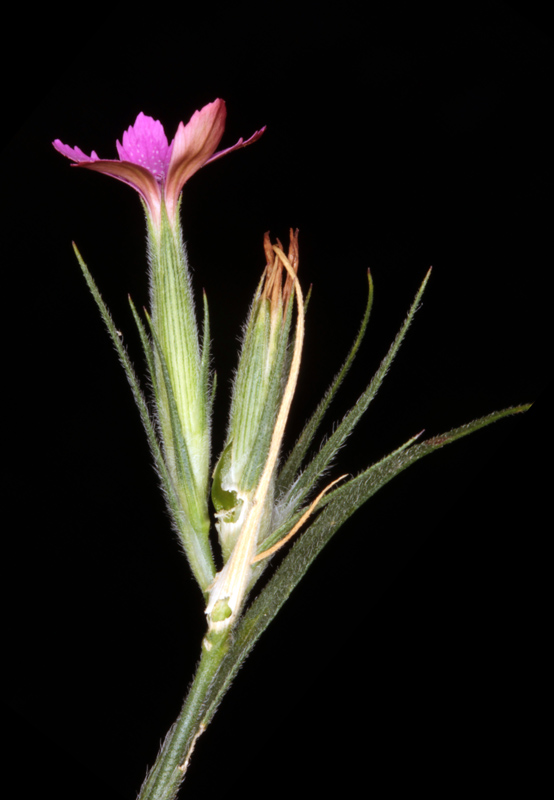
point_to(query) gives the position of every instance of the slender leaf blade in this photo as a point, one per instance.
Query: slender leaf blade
(321, 460)
(208, 386)
(148, 351)
(182, 461)
(341, 504)
(128, 368)
(294, 460)
(177, 512)
(194, 527)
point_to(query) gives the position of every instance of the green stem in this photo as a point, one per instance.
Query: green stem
(165, 777)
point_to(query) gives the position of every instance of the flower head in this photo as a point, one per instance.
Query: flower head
(156, 169)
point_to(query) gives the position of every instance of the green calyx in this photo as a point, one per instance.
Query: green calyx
(179, 375)
(258, 390)
(176, 331)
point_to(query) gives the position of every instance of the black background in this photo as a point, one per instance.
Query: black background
(412, 655)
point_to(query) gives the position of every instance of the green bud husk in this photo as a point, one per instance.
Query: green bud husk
(257, 394)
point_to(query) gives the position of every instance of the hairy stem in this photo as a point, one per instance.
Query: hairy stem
(165, 777)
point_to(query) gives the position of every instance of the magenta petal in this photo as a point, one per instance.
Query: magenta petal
(74, 153)
(193, 145)
(152, 166)
(145, 144)
(134, 175)
(238, 145)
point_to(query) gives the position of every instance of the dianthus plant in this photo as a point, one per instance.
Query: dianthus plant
(257, 500)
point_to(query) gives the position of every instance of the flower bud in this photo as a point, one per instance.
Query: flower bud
(257, 395)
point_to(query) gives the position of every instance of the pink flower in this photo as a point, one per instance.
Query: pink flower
(156, 169)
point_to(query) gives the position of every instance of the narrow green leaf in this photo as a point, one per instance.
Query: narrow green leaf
(195, 528)
(127, 366)
(284, 527)
(307, 299)
(184, 524)
(321, 460)
(347, 498)
(341, 504)
(294, 460)
(205, 361)
(211, 398)
(177, 512)
(182, 460)
(148, 351)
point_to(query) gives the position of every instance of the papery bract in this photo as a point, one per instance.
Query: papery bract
(156, 169)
